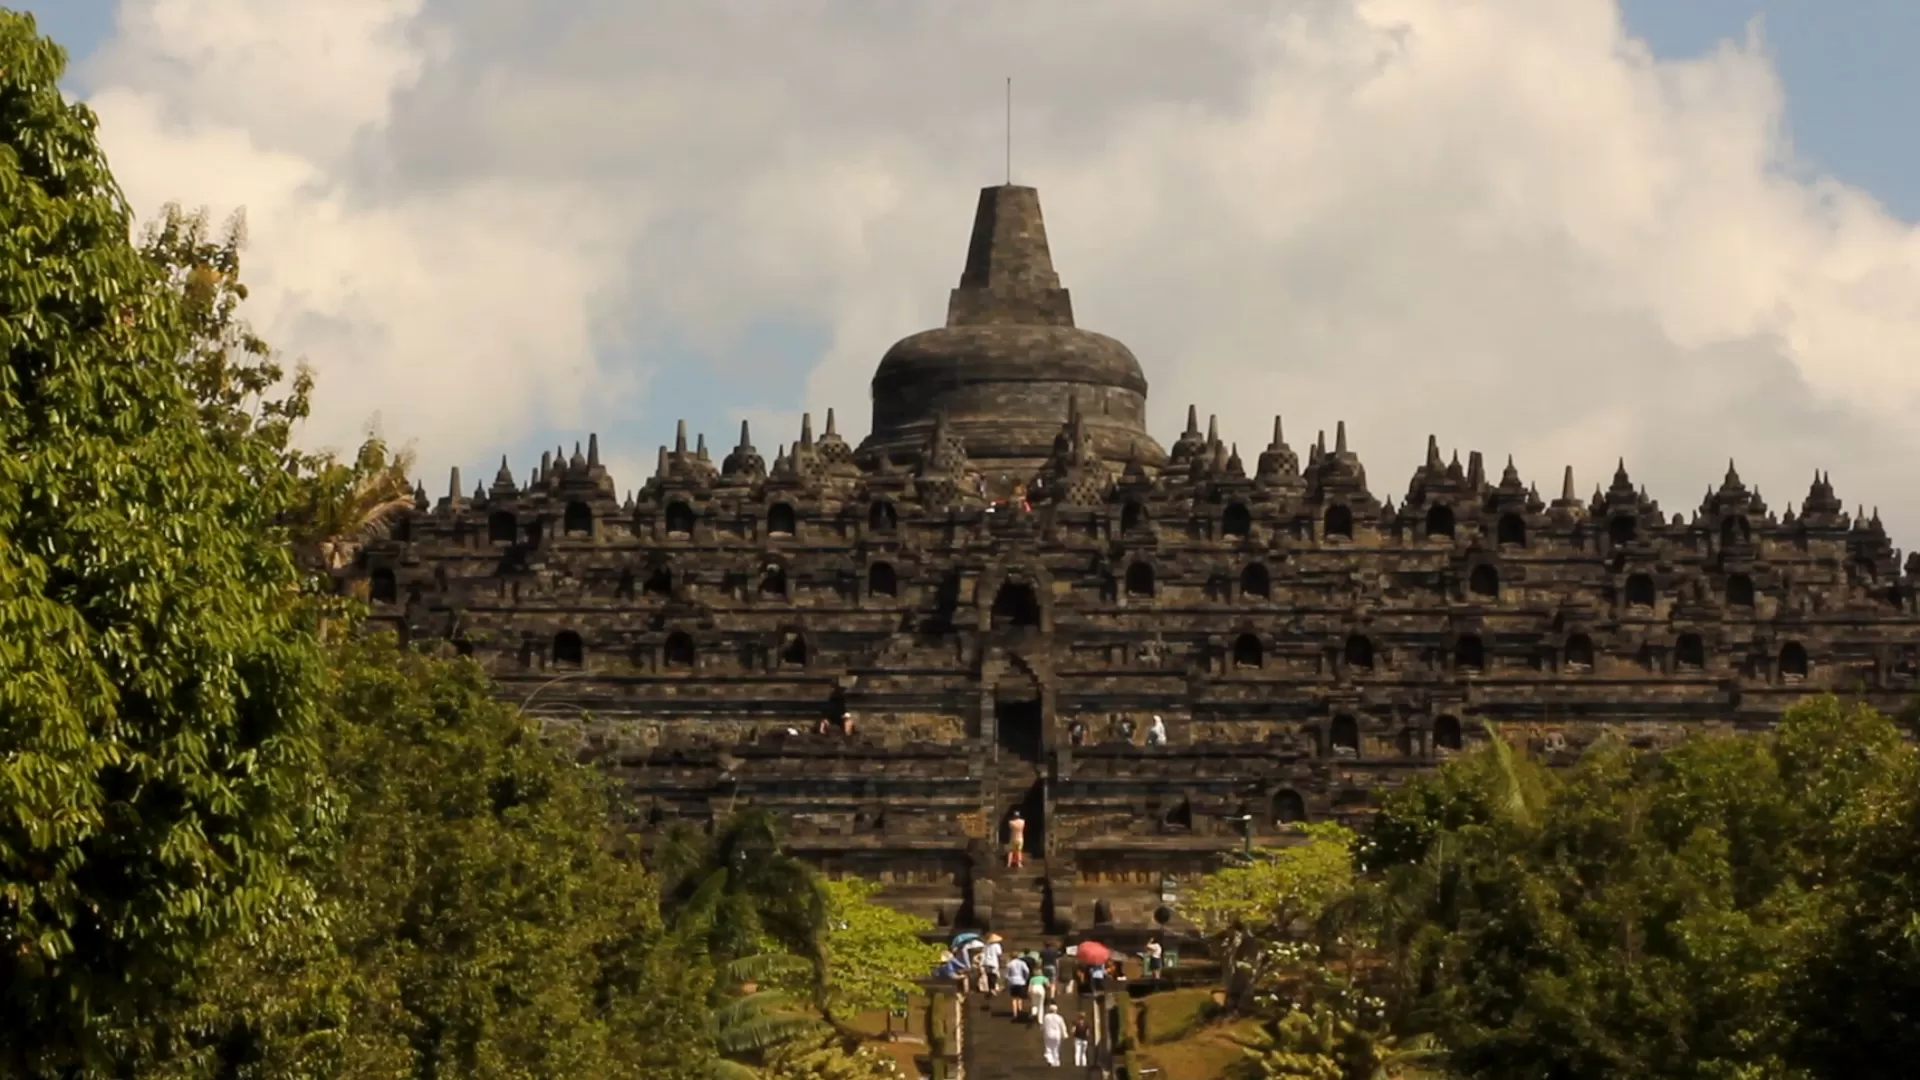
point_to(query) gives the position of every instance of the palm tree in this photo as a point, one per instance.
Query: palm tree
(762, 893)
(347, 504)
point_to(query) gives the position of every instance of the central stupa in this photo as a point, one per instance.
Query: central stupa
(1009, 361)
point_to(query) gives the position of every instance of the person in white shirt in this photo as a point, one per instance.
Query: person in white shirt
(1157, 734)
(1052, 1030)
(1153, 958)
(990, 959)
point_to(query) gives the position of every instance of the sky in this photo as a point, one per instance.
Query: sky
(1569, 232)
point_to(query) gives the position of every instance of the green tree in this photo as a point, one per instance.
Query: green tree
(247, 399)
(495, 923)
(874, 954)
(1250, 912)
(1327, 1042)
(1731, 907)
(231, 372)
(1855, 995)
(483, 915)
(753, 896)
(158, 678)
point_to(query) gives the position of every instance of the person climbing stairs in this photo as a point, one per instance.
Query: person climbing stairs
(1001, 1048)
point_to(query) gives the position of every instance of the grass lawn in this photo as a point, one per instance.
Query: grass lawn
(1185, 1040)
(1207, 1054)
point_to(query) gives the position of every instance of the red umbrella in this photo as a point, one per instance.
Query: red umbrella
(1092, 953)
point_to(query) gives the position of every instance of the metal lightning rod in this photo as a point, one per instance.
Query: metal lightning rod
(1009, 131)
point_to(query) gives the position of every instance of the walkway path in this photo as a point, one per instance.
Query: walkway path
(997, 1048)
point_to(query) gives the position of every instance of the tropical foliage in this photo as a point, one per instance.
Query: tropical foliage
(1250, 911)
(1731, 907)
(873, 952)
(161, 695)
(231, 847)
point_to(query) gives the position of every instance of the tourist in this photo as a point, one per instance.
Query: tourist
(1082, 1034)
(950, 968)
(1037, 986)
(1096, 977)
(976, 974)
(1016, 841)
(1153, 958)
(1157, 734)
(990, 959)
(1017, 971)
(1050, 961)
(1077, 733)
(1052, 1030)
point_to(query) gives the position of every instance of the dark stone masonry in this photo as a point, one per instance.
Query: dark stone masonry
(888, 647)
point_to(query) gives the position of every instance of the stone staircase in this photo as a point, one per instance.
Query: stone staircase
(997, 1048)
(1019, 904)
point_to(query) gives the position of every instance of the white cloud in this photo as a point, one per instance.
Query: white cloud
(1503, 221)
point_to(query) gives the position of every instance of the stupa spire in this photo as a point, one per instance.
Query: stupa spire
(1009, 277)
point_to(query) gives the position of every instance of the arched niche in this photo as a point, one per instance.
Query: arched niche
(794, 651)
(1794, 664)
(1337, 523)
(678, 654)
(1236, 521)
(679, 520)
(502, 527)
(1689, 652)
(1622, 529)
(568, 649)
(1735, 530)
(1439, 522)
(1140, 581)
(1446, 732)
(1019, 713)
(1739, 591)
(1255, 581)
(882, 518)
(1344, 734)
(1248, 652)
(1133, 517)
(773, 581)
(1483, 581)
(382, 587)
(882, 581)
(1358, 652)
(659, 583)
(577, 520)
(1579, 653)
(781, 520)
(1288, 807)
(1639, 591)
(1470, 653)
(1512, 531)
(1016, 605)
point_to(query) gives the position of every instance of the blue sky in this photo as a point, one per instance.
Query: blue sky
(1847, 67)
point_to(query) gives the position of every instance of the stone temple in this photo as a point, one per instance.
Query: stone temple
(983, 606)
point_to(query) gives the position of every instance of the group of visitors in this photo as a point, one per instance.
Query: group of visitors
(1122, 729)
(1033, 987)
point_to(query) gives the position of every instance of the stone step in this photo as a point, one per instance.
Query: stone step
(997, 1048)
